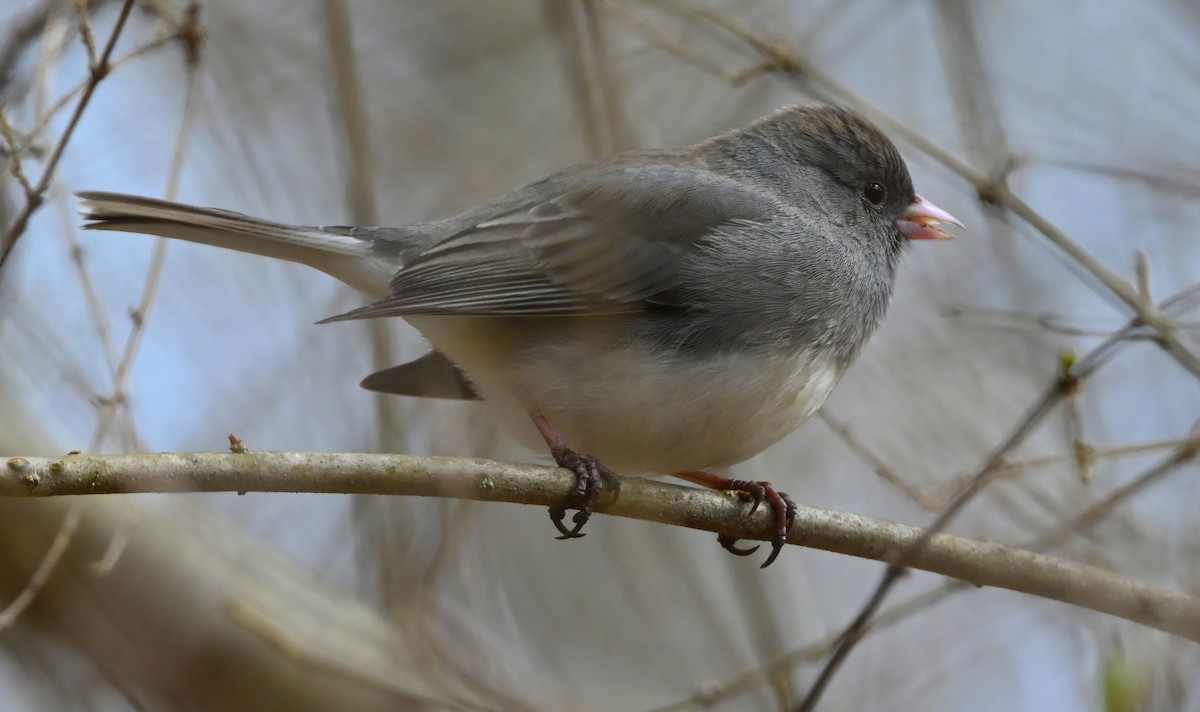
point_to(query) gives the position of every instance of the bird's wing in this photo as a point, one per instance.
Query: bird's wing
(431, 376)
(597, 242)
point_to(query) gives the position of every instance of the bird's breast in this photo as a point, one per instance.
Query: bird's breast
(639, 408)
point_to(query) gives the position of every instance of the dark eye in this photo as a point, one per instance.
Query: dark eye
(874, 192)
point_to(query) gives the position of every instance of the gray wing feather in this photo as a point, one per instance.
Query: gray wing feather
(601, 242)
(431, 376)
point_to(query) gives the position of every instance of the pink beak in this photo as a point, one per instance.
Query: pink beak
(919, 221)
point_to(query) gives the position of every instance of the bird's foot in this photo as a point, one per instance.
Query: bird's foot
(589, 483)
(755, 492)
(781, 505)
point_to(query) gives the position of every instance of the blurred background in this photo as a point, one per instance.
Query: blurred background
(395, 111)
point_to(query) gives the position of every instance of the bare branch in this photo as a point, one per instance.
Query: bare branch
(978, 562)
(34, 200)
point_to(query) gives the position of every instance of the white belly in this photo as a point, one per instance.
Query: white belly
(637, 412)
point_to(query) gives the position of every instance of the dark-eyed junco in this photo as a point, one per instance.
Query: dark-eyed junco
(663, 311)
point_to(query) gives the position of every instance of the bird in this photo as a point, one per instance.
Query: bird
(663, 311)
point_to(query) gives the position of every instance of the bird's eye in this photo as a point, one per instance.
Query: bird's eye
(874, 192)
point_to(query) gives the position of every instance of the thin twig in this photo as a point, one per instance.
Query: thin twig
(992, 189)
(85, 32)
(62, 101)
(1185, 452)
(34, 200)
(12, 148)
(96, 312)
(1048, 321)
(992, 467)
(584, 45)
(1001, 195)
(1141, 270)
(49, 58)
(858, 628)
(45, 567)
(23, 31)
(885, 471)
(351, 112)
(1010, 469)
(811, 653)
(1180, 301)
(1072, 397)
(618, 11)
(158, 258)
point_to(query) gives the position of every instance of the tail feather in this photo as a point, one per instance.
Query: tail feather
(338, 253)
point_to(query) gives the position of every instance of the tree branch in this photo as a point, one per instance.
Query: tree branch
(978, 562)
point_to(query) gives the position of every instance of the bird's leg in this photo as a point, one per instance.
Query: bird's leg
(755, 492)
(589, 481)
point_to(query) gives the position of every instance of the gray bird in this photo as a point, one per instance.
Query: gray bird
(664, 311)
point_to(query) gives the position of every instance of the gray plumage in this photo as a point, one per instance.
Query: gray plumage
(666, 310)
(431, 376)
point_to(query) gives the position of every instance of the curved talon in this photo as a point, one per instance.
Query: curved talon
(729, 543)
(776, 547)
(556, 516)
(782, 507)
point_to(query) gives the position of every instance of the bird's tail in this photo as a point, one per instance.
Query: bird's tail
(338, 252)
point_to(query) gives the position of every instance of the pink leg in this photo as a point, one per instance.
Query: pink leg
(781, 504)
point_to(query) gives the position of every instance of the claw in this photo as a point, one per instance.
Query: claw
(556, 516)
(729, 543)
(776, 547)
